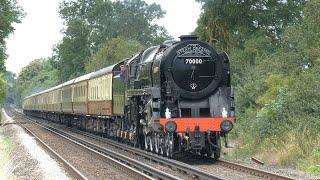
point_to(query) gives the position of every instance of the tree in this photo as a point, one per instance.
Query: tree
(114, 51)
(132, 19)
(10, 79)
(3, 90)
(10, 13)
(39, 75)
(250, 31)
(92, 24)
(275, 53)
(73, 52)
(228, 24)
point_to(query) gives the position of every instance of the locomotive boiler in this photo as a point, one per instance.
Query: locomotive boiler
(168, 99)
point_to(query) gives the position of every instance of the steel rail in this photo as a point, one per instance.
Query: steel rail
(192, 171)
(74, 170)
(179, 165)
(187, 169)
(136, 168)
(252, 171)
(183, 167)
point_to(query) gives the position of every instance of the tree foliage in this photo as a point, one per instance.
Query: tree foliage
(131, 19)
(3, 89)
(115, 50)
(228, 24)
(10, 79)
(275, 51)
(10, 13)
(71, 55)
(37, 76)
(92, 24)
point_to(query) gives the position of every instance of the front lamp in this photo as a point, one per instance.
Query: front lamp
(171, 126)
(226, 126)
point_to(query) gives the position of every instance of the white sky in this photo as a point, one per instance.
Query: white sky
(40, 29)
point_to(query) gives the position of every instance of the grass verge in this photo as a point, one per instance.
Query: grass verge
(6, 147)
(292, 149)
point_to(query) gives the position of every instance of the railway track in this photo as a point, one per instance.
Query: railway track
(74, 171)
(145, 171)
(131, 167)
(176, 164)
(189, 170)
(253, 171)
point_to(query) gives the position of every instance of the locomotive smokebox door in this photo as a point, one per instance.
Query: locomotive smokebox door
(192, 68)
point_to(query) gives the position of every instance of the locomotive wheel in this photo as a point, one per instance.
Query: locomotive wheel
(156, 143)
(169, 145)
(151, 143)
(161, 145)
(217, 149)
(146, 144)
(207, 151)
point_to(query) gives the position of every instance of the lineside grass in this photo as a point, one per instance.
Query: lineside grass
(300, 149)
(6, 147)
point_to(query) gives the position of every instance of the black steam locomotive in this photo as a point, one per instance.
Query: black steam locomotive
(180, 98)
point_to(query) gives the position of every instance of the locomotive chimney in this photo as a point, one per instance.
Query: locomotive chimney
(188, 37)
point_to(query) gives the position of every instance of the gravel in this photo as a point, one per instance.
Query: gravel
(89, 164)
(126, 153)
(286, 171)
(211, 167)
(27, 160)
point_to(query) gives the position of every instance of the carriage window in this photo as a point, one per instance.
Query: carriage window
(82, 90)
(91, 92)
(96, 94)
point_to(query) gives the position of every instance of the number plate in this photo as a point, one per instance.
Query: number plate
(193, 61)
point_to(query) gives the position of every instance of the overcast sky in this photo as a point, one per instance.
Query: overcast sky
(40, 29)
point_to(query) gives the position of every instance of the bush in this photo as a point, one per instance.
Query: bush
(3, 89)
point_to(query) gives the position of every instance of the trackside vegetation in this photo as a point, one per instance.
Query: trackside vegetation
(92, 25)
(6, 147)
(39, 75)
(3, 89)
(275, 52)
(10, 13)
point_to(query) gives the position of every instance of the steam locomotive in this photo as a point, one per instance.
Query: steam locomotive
(168, 99)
